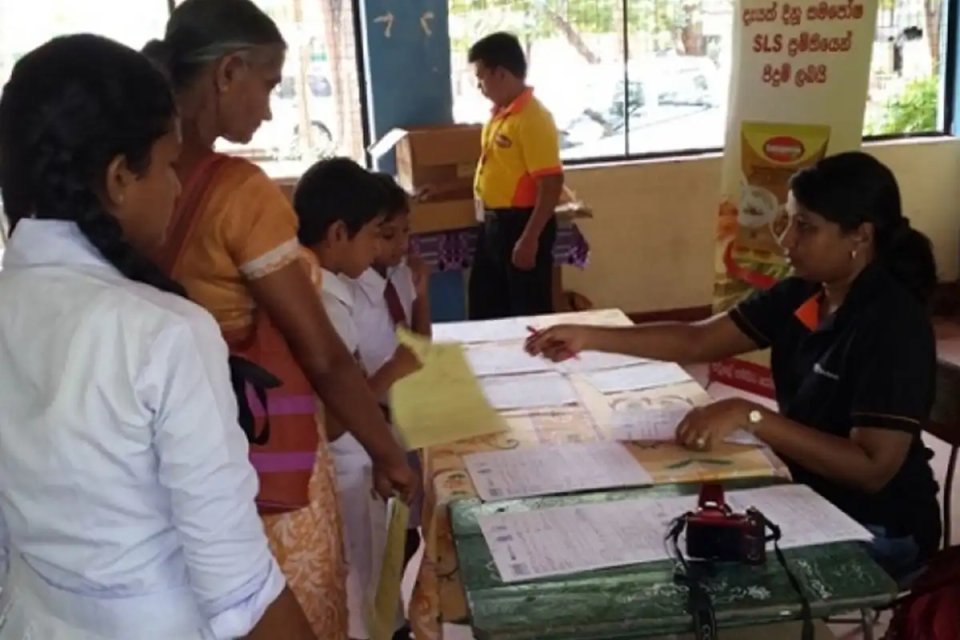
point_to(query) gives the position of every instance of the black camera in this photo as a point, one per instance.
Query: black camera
(715, 532)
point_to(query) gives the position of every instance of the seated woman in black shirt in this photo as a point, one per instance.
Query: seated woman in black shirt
(853, 355)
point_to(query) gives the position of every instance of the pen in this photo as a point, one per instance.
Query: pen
(534, 332)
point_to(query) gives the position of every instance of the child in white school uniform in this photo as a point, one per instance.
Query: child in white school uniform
(393, 293)
(340, 206)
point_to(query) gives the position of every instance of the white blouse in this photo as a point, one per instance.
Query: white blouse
(123, 472)
(373, 319)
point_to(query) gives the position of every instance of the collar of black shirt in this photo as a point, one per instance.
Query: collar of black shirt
(873, 281)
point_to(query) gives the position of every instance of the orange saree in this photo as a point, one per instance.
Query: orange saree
(233, 226)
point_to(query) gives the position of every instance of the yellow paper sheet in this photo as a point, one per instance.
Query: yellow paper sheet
(382, 610)
(442, 402)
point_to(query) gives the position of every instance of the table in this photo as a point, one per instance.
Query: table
(643, 601)
(439, 595)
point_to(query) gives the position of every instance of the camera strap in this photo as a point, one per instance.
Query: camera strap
(699, 603)
(698, 600)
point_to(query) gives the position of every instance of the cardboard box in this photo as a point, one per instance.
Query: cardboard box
(444, 157)
(430, 217)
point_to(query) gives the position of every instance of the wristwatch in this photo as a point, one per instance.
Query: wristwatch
(754, 418)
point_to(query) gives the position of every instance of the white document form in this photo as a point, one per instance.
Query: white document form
(481, 330)
(588, 361)
(659, 424)
(638, 377)
(805, 517)
(553, 469)
(562, 540)
(648, 424)
(504, 358)
(533, 391)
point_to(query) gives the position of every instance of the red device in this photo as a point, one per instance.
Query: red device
(715, 532)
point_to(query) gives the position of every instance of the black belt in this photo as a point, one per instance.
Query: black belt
(512, 211)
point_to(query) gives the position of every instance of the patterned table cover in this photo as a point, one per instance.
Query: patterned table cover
(453, 250)
(439, 594)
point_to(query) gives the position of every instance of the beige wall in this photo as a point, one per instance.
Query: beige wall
(653, 227)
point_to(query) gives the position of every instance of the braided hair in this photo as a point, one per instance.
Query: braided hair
(69, 109)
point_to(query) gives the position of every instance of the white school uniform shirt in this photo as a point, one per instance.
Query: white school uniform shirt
(373, 320)
(363, 516)
(125, 488)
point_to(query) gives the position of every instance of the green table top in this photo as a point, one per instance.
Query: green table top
(642, 601)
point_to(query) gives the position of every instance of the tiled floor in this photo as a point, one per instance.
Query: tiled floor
(839, 631)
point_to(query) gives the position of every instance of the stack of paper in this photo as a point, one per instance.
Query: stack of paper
(562, 540)
(545, 470)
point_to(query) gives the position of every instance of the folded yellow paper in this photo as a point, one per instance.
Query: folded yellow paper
(382, 610)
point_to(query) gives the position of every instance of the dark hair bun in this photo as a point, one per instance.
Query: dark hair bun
(160, 52)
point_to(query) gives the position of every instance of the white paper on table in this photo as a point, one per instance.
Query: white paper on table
(562, 540)
(805, 517)
(659, 424)
(648, 424)
(481, 330)
(504, 359)
(742, 436)
(589, 361)
(638, 377)
(533, 391)
(553, 469)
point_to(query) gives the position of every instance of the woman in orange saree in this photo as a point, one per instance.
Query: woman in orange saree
(233, 245)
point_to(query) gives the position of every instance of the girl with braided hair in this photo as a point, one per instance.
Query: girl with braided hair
(126, 495)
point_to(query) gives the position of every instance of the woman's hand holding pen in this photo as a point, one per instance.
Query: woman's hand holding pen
(557, 343)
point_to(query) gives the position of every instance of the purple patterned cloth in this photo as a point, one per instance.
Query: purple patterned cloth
(453, 250)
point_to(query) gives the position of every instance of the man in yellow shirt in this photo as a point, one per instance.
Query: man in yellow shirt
(517, 187)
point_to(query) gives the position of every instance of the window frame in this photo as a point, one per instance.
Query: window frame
(949, 102)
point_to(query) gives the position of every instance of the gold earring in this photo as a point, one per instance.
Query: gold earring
(853, 254)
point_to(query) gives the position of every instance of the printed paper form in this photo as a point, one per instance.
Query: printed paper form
(659, 424)
(516, 328)
(442, 402)
(562, 540)
(804, 517)
(588, 361)
(533, 391)
(553, 469)
(504, 359)
(638, 377)
(481, 330)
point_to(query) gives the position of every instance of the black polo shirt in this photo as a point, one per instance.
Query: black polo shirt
(872, 363)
